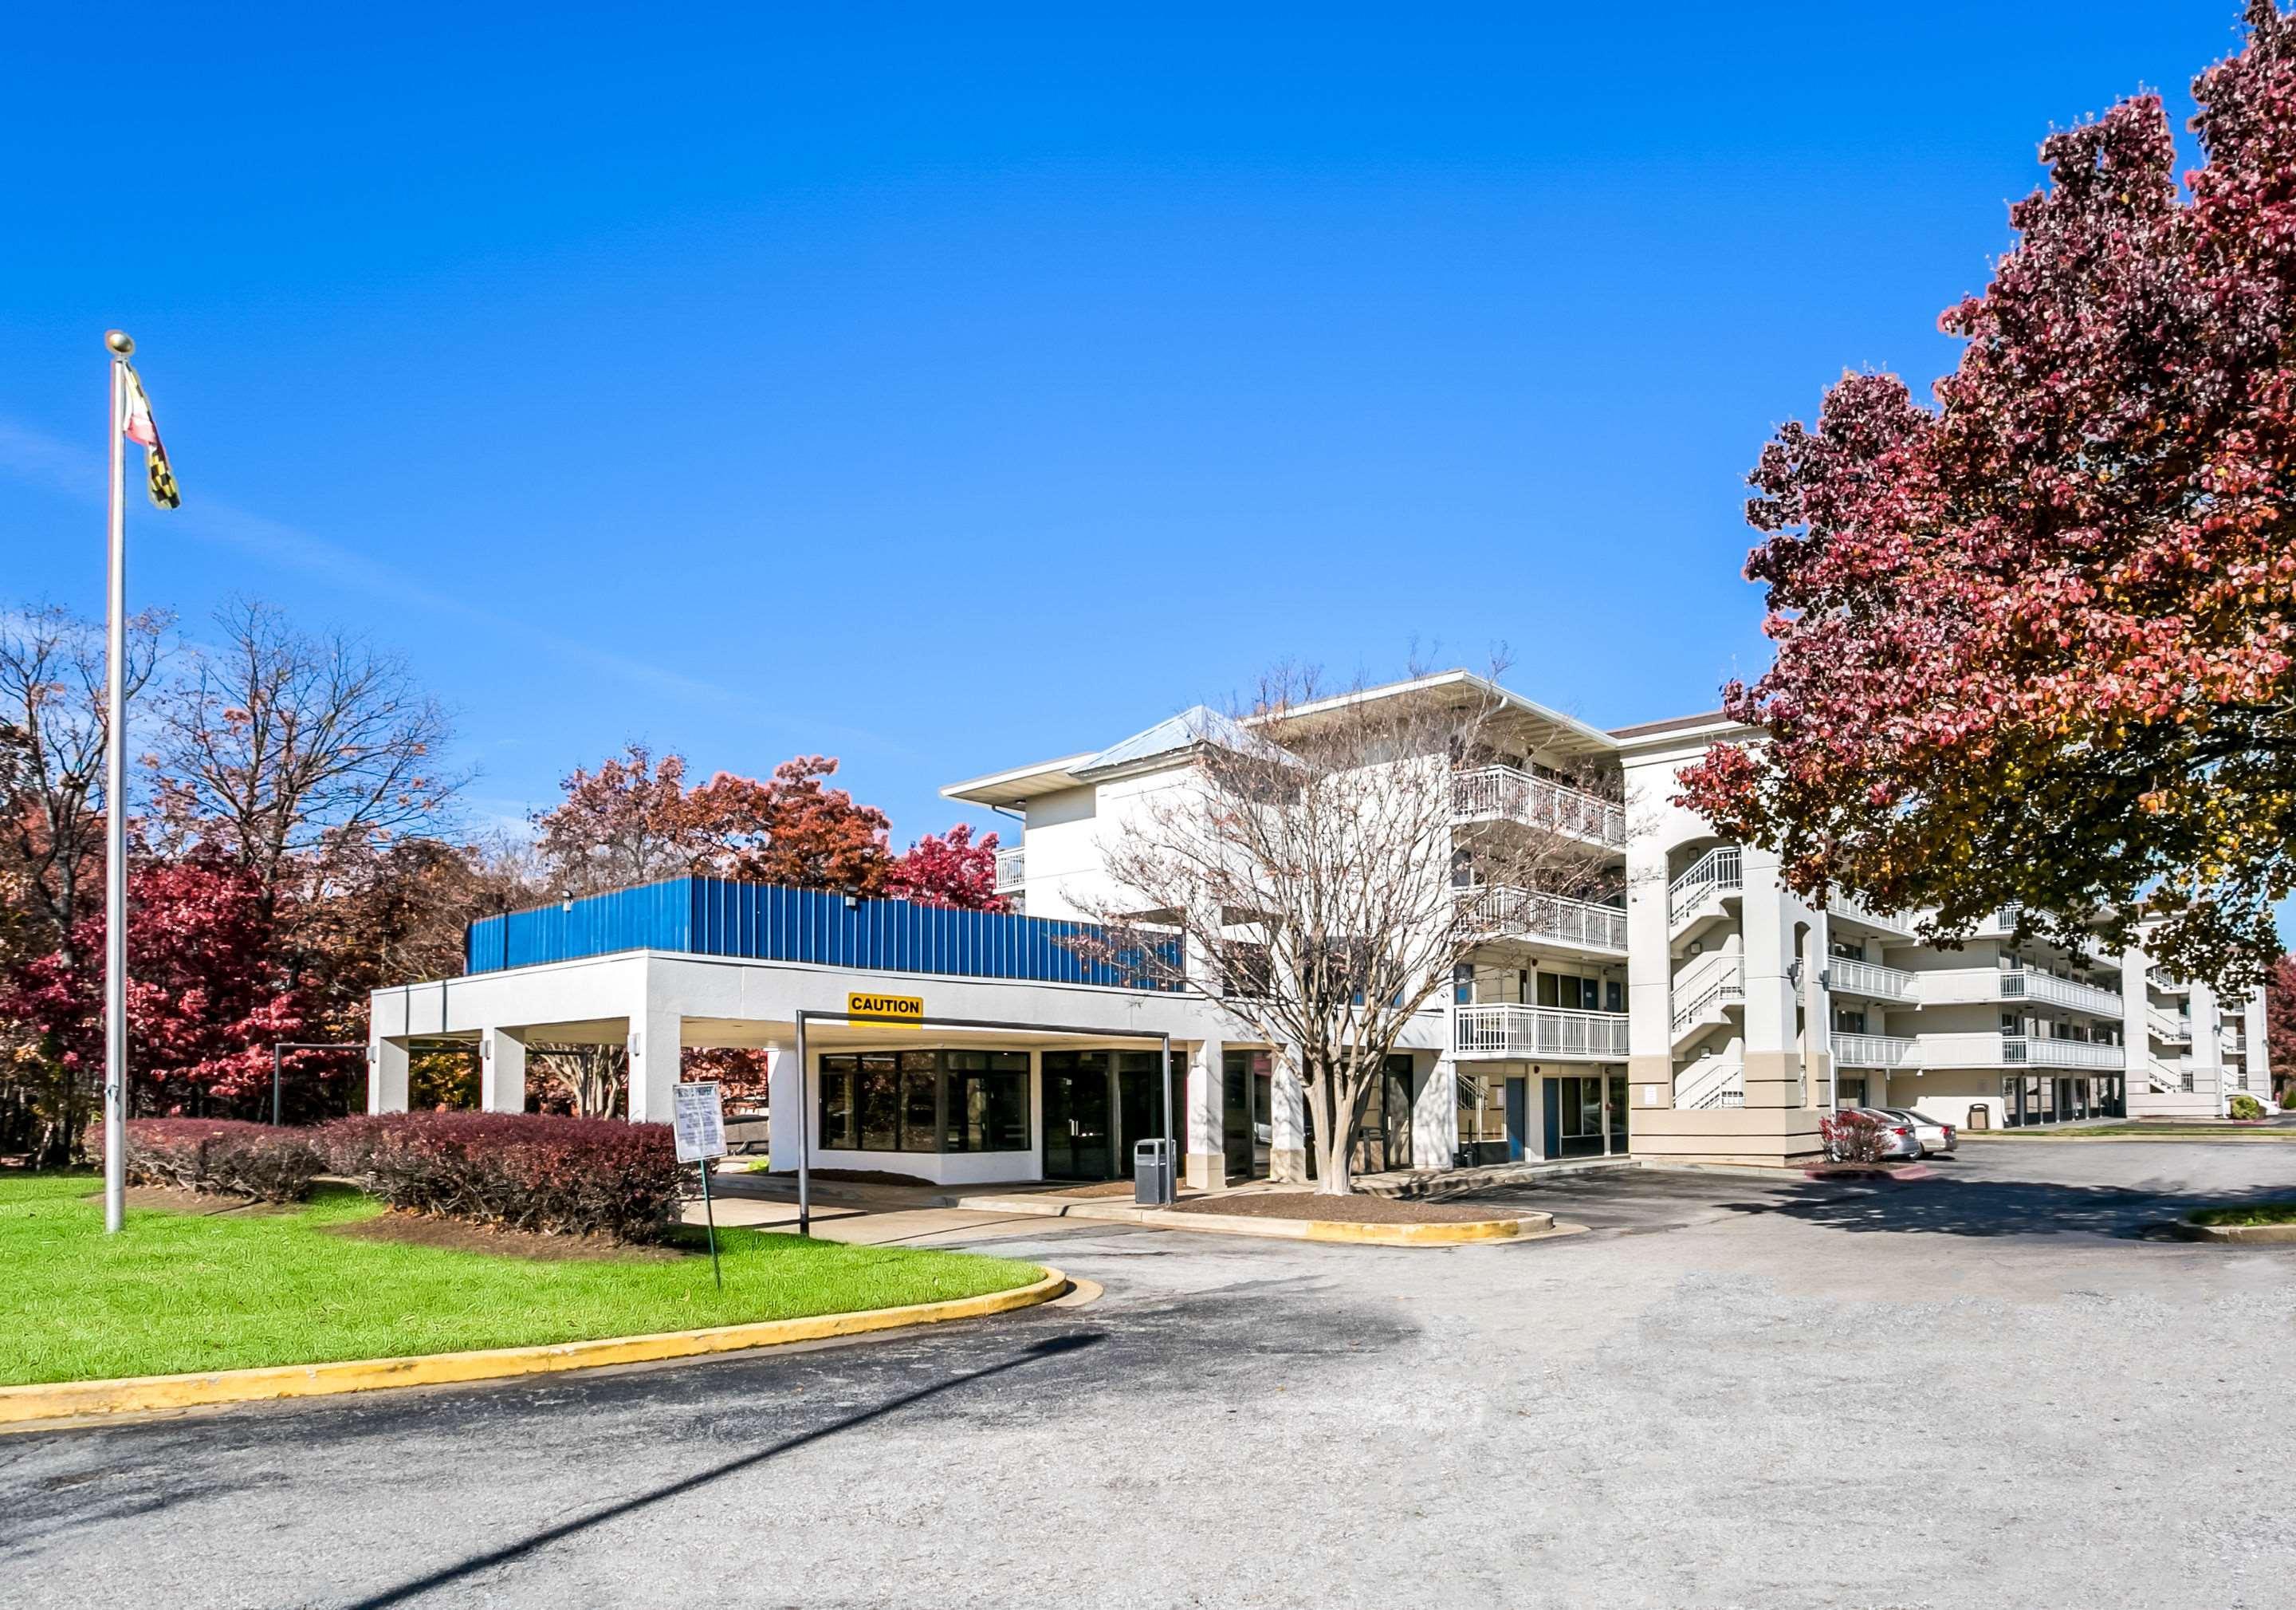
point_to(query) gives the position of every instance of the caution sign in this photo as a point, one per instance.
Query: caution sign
(886, 1008)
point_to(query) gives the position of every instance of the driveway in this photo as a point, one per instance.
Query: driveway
(1993, 1389)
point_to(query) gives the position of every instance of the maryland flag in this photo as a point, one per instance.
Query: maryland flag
(139, 427)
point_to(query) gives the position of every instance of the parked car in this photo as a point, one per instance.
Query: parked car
(1936, 1135)
(1898, 1139)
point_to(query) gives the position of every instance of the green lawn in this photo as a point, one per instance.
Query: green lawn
(2159, 1129)
(179, 1291)
(2262, 1213)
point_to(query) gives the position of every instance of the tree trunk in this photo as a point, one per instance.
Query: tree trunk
(1334, 1134)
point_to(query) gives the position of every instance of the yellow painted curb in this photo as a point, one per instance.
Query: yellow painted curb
(1357, 1234)
(130, 1394)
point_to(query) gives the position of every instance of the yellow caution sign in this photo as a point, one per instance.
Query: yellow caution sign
(909, 1009)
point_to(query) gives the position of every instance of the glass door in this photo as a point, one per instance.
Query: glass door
(1077, 1113)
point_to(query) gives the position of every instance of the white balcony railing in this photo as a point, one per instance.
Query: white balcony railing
(1717, 872)
(1505, 793)
(2167, 982)
(1843, 905)
(2020, 1051)
(2046, 989)
(1874, 1051)
(1538, 1032)
(1011, 869)
(1536, 915)
(1847, 977)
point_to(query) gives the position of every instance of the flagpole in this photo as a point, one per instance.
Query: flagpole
(115, 813)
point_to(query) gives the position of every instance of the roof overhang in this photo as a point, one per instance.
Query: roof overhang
(1020, 783)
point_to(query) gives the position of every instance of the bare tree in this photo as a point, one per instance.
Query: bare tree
(1325, 864)
(291, 748)
(53, 726)
(590, 1078)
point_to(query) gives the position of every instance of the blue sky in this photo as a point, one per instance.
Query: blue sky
(946, 388)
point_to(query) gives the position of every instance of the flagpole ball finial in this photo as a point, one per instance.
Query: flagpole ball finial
(119, 342)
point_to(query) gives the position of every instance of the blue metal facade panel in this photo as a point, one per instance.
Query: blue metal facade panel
(715, 917)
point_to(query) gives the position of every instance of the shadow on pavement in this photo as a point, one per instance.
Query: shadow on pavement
(1050, 1347)
(1954, 1207)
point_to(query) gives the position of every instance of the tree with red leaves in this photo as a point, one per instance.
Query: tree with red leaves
(203, 1009)
(2035, 644)
(2280, 1027)
(634, 820)
(949, 870)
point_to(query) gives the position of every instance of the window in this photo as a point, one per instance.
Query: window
(925, 1101)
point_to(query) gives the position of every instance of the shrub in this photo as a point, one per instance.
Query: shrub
(2247, 1107)
(1850, 1138)
(523, 1171)
(223, 1157)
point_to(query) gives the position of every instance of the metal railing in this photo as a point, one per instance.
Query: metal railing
(1549, 1031)
(1554, 917)
(1848, 977)
(1711, 1083)
(1708, 1006)
(1874, 1051)
(1844, 905)
(2167, 982)
(1507, 794)
(1715, 872)
(1011, 869)
(2032, 1051)
(2048, 989)
(2176, 1031)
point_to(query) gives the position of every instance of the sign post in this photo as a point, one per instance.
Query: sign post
(698, 1116)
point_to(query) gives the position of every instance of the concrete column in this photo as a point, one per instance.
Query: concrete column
(1774, 1069)
(1650, 974)
(1435, 1116)
(386, 1075)
(1817, 1019)
(785, 1108)
(2254, 1056)
(502, 1070)
(1287, 1119)
(1207, 1155)
(2208, 1051)
(655, 1040)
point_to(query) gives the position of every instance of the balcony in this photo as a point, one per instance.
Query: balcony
(1717, 873)
(1504, 793)
(2046, 989)
(2019, 1050)
(1875, 1051)
(1546, 1033)
(1844, 976)
(1530, 914)
(2167, 982)
(1838, 904)
(1011, 869)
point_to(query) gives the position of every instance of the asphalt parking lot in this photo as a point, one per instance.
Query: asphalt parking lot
(1997, 1388)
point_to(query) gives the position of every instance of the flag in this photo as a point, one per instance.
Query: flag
(138, 426)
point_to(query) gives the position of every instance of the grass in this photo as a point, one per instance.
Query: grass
(2261, 1212)
(2169, 1130)
(180, 1292)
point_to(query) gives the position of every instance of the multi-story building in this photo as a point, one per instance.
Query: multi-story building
(1696, 1011)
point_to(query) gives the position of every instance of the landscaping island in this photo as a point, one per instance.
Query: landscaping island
(203, 1290)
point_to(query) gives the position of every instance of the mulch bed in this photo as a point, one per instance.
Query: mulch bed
(1908, 1170)
(455, 1236)
(1357, 1208)
(167, 1199)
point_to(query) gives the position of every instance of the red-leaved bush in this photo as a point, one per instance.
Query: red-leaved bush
(1850, 1138)
(223, 1157)
(524, 1171)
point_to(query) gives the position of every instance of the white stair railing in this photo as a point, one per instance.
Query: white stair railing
(1718, 871)
(1708, 1005)
(1714, 1082)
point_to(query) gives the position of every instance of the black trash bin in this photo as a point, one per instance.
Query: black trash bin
(1153, 1181)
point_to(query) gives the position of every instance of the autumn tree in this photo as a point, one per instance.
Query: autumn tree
(948, 869)
(634, 820)
(2035, 643)
(2280, 1027)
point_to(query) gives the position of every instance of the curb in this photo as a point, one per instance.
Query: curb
(129, 1394)
(1455, 1234)
(2252, 1235)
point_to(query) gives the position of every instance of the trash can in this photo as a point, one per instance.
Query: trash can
(1152, 1184)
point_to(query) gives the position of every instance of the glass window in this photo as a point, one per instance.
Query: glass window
(1549, 993)
(1614, 996)
(920, 1101)
(838, 1130)
(879, 1099)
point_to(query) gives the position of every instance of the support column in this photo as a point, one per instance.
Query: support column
(386, 1075)
(1287, 1120)
(2208, 1050)
(2256, 1060)
(1773, 1060)
(502, 1070)
(784, 1107)
(1207, 1155)
(655, 1041)
(1649, 973)
(1435, 1116)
